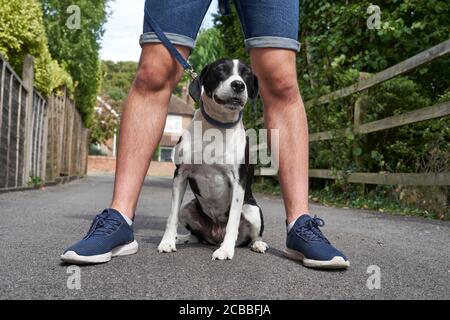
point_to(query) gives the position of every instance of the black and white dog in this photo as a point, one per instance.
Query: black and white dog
(224, 211)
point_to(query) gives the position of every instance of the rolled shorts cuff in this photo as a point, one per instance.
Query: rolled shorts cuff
(178, 39)
(272, 42)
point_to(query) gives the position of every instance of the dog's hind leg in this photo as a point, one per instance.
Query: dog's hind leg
(187, 238)
(186, 213)
(200, 226)
(252, 213)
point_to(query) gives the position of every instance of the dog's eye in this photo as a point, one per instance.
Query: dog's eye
(246, 75)
(220, 68)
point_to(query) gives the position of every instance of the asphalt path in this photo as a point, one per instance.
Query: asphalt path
(399, 257)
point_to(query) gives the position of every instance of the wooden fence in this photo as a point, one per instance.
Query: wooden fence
(42, 140)
(432, 112)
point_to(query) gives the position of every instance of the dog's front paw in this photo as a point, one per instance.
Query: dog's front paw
(223, 253)
(167, 246)
(259, 246)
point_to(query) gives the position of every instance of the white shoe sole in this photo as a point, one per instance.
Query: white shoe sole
(335, 263)
(125, 250)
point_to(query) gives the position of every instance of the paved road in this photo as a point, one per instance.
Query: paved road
(413, 253)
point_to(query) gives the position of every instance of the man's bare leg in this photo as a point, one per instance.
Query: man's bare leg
(141, 128)
(142, 122)
(284, 110)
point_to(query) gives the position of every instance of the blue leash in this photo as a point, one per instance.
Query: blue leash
(224, 9)
(172, 49)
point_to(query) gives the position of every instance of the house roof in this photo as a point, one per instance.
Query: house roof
(102, 104)
(178, 106)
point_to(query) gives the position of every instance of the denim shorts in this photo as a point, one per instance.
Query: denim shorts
(265, 23)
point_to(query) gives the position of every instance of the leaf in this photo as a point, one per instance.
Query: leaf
(350, 136)
(375, 155)
(357, 151)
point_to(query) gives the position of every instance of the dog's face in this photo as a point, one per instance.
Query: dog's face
(226, 84)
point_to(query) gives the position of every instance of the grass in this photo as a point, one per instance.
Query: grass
(379, 199)
(35, 181)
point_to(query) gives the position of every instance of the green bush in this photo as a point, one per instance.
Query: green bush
(22, 32)
(420, 147)
(336, 46)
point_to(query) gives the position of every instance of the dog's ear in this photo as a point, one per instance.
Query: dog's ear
(195, 87)
(253, 87)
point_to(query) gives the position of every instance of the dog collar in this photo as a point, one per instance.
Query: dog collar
(216, 123)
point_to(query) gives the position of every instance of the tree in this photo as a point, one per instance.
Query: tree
(77, 47)
(117, 78)
(336, 41)
(336, 46)
(22, 32)
(208, 48)
(104, 125)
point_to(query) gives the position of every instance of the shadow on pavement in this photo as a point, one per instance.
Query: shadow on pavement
(158, 182)
(141, 223)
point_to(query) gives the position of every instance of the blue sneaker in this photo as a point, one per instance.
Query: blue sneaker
(306, 243)
(109, 236)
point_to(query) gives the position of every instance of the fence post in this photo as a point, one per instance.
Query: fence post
(50, 151)
(358, 115)
(28, 83)
(86, 137)
(61, 124)
(45, 140)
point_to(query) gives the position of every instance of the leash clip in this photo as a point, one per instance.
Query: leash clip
(191, 72)
(170, 47)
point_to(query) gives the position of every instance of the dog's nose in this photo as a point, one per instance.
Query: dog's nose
(238, 86)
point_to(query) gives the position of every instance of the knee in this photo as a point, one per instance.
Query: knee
(154, 77)
(281, 85)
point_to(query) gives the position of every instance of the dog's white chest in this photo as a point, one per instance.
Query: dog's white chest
(213, 177)
(213, 191)
(211, 183)
(202, 144)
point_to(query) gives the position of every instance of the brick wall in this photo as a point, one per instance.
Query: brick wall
(107, 165)
(161, 169)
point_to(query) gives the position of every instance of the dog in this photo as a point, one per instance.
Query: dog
(224, 211)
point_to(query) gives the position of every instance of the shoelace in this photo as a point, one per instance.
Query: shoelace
(103, 224)
(311, 230)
